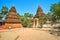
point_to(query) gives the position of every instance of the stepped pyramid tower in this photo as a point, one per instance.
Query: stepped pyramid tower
(12, 20)
(39, 13)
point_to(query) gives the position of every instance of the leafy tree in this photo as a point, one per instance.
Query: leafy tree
(28, 15)
(1, 16)
(3, 12)
(49, 16)
(26, 19)
(55, 9)
(43, 19)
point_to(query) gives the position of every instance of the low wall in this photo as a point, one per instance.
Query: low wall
(12, 25)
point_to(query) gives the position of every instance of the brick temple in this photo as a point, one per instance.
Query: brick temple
(36, 22)
(39, 12)
(12, 20)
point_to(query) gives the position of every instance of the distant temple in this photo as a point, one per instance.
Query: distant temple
(39, 12)
(36, 22)
(12, 20)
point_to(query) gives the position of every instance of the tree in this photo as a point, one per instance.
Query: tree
(26, 19)
(49, 16)
(28, 15)
(3, 12)
(1, 16)
(43, 19)
(55, 9)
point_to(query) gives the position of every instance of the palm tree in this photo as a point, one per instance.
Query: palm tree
(3, 12)
(1, 16)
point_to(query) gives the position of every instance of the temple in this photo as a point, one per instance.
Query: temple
(12, 20)
(39, 12)
(36, 22)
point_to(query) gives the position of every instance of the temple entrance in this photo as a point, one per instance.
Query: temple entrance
(36, 23)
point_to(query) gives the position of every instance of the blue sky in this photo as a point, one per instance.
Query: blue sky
(28, 6)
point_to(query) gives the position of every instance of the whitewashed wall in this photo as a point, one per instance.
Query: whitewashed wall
(49, 25)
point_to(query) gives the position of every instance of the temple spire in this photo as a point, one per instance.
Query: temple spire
(13, 9)
(12, 16)
(39, 12)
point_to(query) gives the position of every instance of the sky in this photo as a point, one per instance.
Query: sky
(28, 6)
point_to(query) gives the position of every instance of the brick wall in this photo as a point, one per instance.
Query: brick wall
(7, 25)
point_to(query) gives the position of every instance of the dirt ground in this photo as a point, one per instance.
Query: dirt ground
(26, 34)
